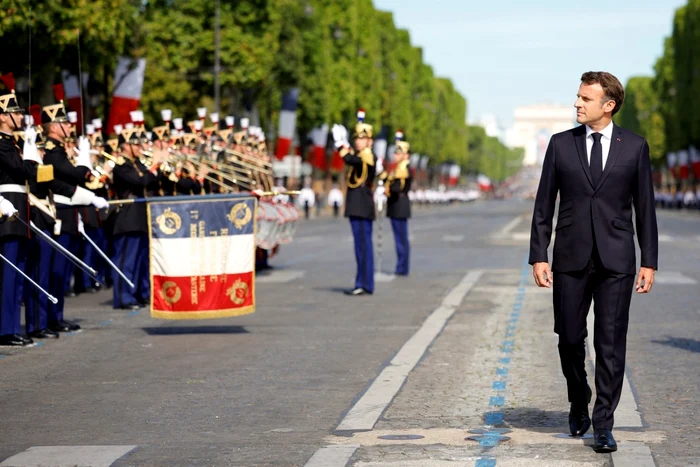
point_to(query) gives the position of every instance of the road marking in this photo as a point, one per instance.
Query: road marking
(506, 229)
(673, 277)
(452, 238)
(626, 414)
(331, 456)
(664, 238)
(279, 277)
(633, 455)
(381, 277)
(65, 456)
(366, 411)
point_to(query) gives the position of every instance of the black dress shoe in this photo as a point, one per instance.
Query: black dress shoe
(603, 441)
(357, 292)
(579, 421)
(43, 334)
(63, 326)
(14, 340)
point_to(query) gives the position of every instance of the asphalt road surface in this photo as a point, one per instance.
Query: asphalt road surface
(401, 378)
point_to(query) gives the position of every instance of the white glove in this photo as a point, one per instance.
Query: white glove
(81, 226)
(100, 203)
(340, 136)
(83, 159)
(29, 151)
(7, 208)
(380, 166)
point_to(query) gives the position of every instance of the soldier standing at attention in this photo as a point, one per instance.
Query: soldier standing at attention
(397, 185)
(359, 206)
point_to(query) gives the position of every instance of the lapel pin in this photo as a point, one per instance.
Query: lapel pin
(618, 140)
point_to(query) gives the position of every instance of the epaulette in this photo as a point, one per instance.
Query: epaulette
(367, 156)
(49, 146)
(402, 170)
(121, 160)
(44, 173)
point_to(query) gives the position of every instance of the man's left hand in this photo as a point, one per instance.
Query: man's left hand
(645, 280)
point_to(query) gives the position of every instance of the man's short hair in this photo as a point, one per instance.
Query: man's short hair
(612, 87)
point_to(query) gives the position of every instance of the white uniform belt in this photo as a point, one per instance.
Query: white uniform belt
(60, 199)
(11, 188)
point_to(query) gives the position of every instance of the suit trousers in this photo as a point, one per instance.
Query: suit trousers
(364, 253)
(611, 293)
(403, 249)
(14, 249)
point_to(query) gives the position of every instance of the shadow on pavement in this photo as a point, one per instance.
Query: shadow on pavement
(691, 345)
(534, 419)
(178, 330)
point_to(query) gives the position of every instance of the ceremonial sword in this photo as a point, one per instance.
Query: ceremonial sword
(53, 299)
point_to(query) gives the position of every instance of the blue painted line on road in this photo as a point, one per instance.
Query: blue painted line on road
(497, 400)
(69, 334)
(133, 313)
(106, 322)
(485, 462)
(494, 418)
(38, 344)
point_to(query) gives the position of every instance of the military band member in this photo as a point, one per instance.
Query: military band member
(15, 172)
(359, 206)
(66, 229)
(397, 184)
(335, 199)
(130, 234)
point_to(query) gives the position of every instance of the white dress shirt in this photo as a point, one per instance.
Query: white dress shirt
(604, 141)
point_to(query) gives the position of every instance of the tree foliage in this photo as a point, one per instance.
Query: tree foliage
(341, 54)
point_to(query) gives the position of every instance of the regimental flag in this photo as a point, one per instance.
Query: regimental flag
(202, 254)
(128, 84)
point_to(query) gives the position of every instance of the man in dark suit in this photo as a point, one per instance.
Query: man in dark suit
(600, 171)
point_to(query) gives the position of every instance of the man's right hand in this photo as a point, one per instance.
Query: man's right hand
(542, 274)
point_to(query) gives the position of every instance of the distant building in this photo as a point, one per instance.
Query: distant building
(534, 125)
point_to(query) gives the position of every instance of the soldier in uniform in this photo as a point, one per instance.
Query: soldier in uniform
(397, 184)
(359, 205)
(44, 320)
(15, 172)
(66, 229)
(130, 234)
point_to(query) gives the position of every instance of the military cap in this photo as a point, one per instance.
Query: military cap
(55, 113)
(362, 129)
(161, 133)
(402, 147)
(8, 103)
(130, 136)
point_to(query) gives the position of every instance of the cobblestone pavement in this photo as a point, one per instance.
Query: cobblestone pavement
(270, 389)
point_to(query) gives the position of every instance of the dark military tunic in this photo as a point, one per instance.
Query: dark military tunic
(130, 182)
(14, 173)
(398, 204)
(65, 171)
(360, 179)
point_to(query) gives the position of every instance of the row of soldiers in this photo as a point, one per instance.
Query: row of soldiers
(55, 189)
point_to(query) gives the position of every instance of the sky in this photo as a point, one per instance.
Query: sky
(501, 54)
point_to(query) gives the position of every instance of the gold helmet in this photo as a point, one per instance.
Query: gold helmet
(402, 147)
(362, 129)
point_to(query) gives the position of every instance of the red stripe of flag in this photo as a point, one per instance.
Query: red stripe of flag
(184, 294)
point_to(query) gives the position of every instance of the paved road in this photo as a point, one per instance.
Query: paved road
(316, 378)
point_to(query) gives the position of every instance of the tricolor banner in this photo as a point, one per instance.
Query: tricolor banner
(319, 138)
(128, 84)
(287, 124)
(71, 88)
(202, 256)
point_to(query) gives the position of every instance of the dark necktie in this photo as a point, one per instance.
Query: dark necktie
(596, 158)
